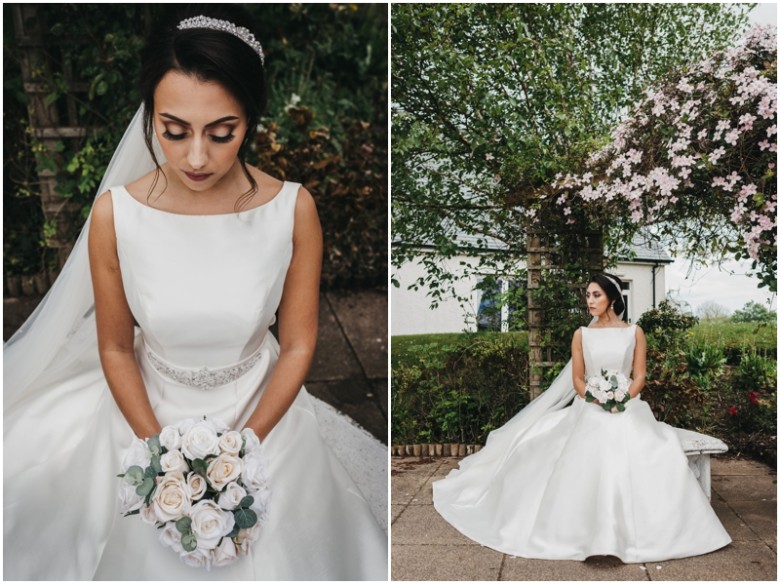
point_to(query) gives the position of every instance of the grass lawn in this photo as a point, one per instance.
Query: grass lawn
(724, 333)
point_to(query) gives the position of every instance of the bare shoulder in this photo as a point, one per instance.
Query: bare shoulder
(141, 188)
(103, 211)
(305, 206)
(640, 334)
(576, 339)
(267, 186)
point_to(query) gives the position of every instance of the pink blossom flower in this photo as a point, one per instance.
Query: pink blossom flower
(567, 211)
(716, 154)
(731, 137)
(684, 85)
(764, 144)
(746, 122)
(771, 131)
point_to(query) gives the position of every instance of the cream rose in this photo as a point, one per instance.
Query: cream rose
(231, 496)
(197, 558)
(225, 553)
(223, 470)
(200, 441)
(173, 461)
(230, 442)
(170, 439)
(210, 523)
(148, 515)
(197, 485)
(255, 472)
(171, 500)
(246, 537)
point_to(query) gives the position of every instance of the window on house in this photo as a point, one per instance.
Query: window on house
(501, 305)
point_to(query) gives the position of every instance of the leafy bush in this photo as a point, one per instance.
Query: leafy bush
(458, 392)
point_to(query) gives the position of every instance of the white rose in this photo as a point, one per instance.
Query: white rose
(230, 442)
(197, 558)
(620, 395)
(255, 473)
(129, 500)
(171, 537)
(223, 470)
(210, 523)
(137, 455)
(170, 439)
(197, 485)
(604, 385)
(173, 461)
(171, 500)
(623, 383)
(200, 441)
(261, 504)
(148, 515)
(216, 424)
(184, 426)
(225, 553)
(610, 395)
(252, 441)
(231, 496)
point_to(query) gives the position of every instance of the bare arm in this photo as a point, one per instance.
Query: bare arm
(578, 363)
(639, 372)
(115, 323)
(298, 313)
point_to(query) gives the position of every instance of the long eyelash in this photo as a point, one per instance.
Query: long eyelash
(223, 139)
(169, 136)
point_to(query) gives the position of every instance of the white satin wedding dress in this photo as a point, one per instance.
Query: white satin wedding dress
(583, 482)
(204, 290)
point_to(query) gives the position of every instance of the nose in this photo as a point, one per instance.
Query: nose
(198, 155)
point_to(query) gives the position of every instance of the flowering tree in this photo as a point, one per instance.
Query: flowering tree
(695, 159)
(490, 102)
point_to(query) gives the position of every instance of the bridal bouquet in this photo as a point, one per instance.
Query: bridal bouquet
(610, 389)
(205, 487)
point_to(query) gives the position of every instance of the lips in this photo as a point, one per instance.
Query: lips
(197, 177)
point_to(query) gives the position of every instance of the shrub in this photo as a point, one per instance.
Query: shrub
(461, 391)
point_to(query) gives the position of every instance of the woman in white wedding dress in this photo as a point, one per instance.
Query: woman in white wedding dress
(190, 263)
(567, 483)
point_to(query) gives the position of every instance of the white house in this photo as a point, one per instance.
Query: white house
(643, 276)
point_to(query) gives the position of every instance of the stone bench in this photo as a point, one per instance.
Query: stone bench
(698, 448)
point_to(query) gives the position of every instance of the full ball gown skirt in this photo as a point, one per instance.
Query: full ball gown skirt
(204, 291)
(583, 482)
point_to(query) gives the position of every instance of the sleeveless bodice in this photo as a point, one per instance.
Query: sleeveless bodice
(608, 348)
(204, 289)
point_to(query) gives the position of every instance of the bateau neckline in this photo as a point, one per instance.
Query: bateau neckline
(232, 214)
(609, 328)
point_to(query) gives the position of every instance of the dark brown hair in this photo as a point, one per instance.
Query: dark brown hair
(615, 296)
(208, 55)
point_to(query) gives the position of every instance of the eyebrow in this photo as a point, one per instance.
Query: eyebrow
(214, 123)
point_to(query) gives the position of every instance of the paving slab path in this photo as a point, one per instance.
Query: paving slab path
(349, 370)
(425, 547)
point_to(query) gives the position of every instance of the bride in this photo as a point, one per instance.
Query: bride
(192, 253)
(567, 483)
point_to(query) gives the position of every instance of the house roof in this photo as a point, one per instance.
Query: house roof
(642, 249)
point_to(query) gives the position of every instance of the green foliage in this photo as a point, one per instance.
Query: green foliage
(753, 312)
(459, 392)
(327, 77)
(490, 102)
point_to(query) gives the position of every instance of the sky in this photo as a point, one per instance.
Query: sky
(729, 286)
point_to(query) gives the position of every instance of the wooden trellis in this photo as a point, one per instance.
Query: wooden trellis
(543, 254)
(51, 121)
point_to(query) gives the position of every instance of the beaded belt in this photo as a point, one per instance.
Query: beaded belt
(204, 378)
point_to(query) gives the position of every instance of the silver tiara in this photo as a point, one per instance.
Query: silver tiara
(225, 26)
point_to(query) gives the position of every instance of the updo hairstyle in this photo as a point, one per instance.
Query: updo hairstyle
(211, 56)
(615, 296)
